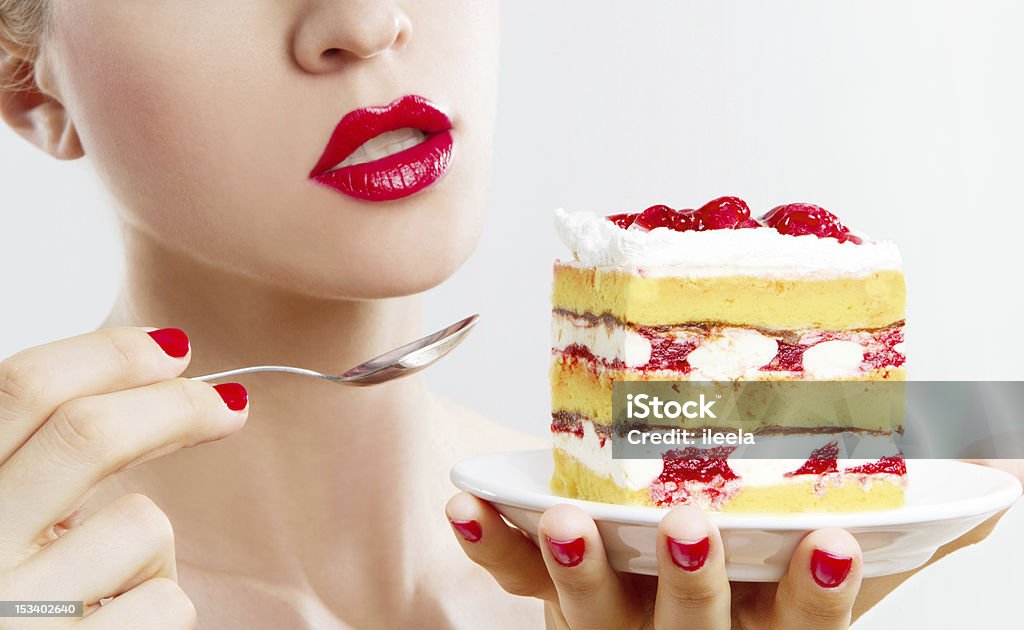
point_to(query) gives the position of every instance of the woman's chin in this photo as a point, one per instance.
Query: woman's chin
(372, 280)
(384, 287)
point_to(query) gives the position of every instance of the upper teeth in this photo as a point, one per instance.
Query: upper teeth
(387, 143)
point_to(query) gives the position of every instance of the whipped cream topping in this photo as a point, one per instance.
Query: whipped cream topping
(597, 242)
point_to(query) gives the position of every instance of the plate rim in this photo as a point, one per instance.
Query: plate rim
(1006, 492)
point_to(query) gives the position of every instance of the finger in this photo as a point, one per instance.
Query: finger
(819, 589)
(89, 438)
(157, 604)
(505, 552)
(119, 547)
(693, 589)
(34, 382)
(590, 593)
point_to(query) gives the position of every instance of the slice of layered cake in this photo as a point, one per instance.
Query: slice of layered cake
(716, 295)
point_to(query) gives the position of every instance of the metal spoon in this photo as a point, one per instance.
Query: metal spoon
(402, 361)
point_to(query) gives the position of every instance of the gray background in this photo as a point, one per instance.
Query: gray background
(903, 117)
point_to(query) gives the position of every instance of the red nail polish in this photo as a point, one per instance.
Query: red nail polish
(829, 570)
(470, 530)
(567, 553)
(688, 556)
(234, 395)
(173, 341)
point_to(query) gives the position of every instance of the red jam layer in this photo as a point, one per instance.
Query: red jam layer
(892, 465)
(697, 464)
(682, 468)
(671, 347)
(825, 460)
(879, 349)
(707, 471)
(822, 460)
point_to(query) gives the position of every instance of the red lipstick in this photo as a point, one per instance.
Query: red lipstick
(403, 169)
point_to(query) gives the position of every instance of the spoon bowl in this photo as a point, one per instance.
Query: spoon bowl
(402, 361)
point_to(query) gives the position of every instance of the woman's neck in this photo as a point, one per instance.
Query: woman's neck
(234, 320)
(314, 456)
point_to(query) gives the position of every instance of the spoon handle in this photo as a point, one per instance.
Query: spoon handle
(402, 361)
(267, 368)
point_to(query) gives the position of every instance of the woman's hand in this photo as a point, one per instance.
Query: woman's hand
(72, 413)
(571, 574)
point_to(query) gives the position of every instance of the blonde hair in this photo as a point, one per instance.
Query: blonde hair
(21, 22)
(21, 26)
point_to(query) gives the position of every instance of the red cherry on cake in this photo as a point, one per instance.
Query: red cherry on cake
(724, 213)
(678, 220)
(797, 219)
(655, 217)
(623, 220)
(687, 221)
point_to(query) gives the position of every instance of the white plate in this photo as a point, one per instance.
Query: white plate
(945, 499)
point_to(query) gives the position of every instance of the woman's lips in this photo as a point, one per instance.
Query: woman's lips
(408, 170)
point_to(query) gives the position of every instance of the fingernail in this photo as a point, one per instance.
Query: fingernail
(173, 341)
(233, 395)
(567, 553)
(829, 570)
(470, 530)
(688, 556)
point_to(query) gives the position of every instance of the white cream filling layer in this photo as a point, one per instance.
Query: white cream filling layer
(726, 354)
(597, 242)
(605, 340)
(636, 474)
(733, 353)
(833, 359)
